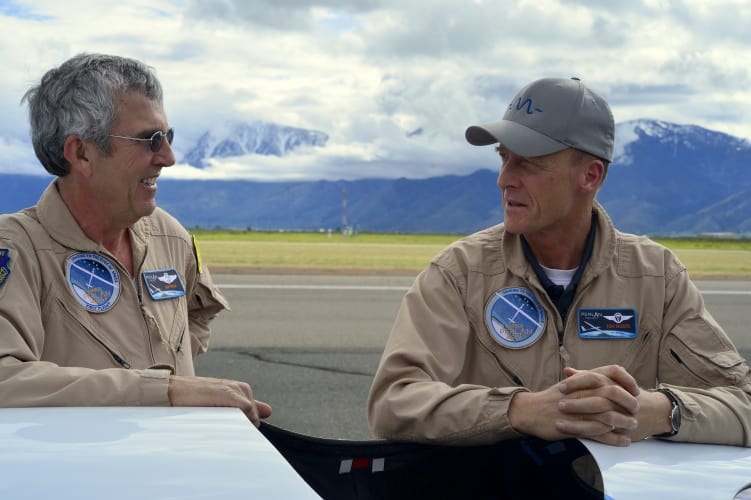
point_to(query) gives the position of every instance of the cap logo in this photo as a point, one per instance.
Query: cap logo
(525, 103)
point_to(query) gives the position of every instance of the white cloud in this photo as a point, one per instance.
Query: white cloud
(393, 83)
(18, 158)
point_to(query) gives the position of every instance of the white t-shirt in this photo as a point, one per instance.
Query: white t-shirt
(559, 276)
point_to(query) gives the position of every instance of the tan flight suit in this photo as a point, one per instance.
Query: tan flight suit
(445, 377)
(104, 340)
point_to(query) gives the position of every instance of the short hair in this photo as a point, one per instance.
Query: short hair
(80, 98)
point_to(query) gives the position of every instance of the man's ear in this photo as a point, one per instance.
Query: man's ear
(594, 174)
(76, 151)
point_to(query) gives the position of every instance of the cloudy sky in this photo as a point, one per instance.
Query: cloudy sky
(394, 83)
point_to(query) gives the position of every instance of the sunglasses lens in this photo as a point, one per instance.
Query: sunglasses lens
(156, 141)
(158, 137)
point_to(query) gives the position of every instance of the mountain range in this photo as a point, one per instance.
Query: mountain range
(666, 179)
(261, 138)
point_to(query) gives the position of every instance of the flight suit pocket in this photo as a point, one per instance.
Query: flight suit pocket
(75, 353)
(634, 360)
(720, 365)
(168, 319)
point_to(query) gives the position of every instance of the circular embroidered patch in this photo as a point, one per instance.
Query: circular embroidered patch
(515, 318)
(94, 281)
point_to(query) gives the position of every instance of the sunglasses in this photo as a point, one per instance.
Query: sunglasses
(155, 141)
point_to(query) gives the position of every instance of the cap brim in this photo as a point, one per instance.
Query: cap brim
(518, 138)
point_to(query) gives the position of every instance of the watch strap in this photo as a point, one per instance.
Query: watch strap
(674, 415)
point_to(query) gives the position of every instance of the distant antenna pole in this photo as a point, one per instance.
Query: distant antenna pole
(344, 211)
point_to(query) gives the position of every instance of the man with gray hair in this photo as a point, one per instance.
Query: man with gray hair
(103, 297)
(554, 324)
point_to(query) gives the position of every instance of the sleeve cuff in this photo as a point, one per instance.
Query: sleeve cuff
(154, 385)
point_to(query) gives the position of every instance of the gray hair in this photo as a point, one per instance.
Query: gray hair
(80, 98)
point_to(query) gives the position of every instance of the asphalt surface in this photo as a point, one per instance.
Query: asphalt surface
(309, 345)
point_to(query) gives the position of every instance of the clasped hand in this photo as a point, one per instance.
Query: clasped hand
(602, 404)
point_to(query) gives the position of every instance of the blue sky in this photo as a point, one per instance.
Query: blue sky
(372, 73)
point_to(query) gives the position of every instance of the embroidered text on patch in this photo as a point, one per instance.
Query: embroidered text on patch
(607, 324)
(515, 318)
(94, 281)
(163, 284)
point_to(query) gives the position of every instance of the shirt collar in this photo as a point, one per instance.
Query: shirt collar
(60, 224)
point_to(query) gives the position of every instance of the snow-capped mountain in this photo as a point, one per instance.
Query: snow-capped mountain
(260, 138)
(665, 174)
(666, 179)
(689, 137)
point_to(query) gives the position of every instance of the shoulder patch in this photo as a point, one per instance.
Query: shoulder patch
(197, 252)
(4, 266)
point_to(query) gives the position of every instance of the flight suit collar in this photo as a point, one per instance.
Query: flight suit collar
(604, 248)
(605, 243)
(60, 224)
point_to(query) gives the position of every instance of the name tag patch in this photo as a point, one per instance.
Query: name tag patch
(607, 324)
(94, 281)
(163, 284)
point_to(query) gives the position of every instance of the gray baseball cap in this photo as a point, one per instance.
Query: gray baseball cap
(550, 115)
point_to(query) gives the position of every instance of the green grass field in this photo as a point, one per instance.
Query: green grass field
(373, 253)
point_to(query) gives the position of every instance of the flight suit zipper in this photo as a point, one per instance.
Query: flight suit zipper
(150, 322)
(120, 360)
(562, 354)
(138, 284)
(179, 347)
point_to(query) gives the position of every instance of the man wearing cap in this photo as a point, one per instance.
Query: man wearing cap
(554, 324)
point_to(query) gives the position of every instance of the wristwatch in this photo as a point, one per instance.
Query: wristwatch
(675, 415)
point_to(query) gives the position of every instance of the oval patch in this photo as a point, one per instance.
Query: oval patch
(515, 318)
(94, 281)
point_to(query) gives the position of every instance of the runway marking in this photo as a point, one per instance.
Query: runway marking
(394, 288)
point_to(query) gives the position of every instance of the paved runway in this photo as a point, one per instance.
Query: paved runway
(309, 345)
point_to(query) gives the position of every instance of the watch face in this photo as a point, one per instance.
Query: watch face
(675, 417)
